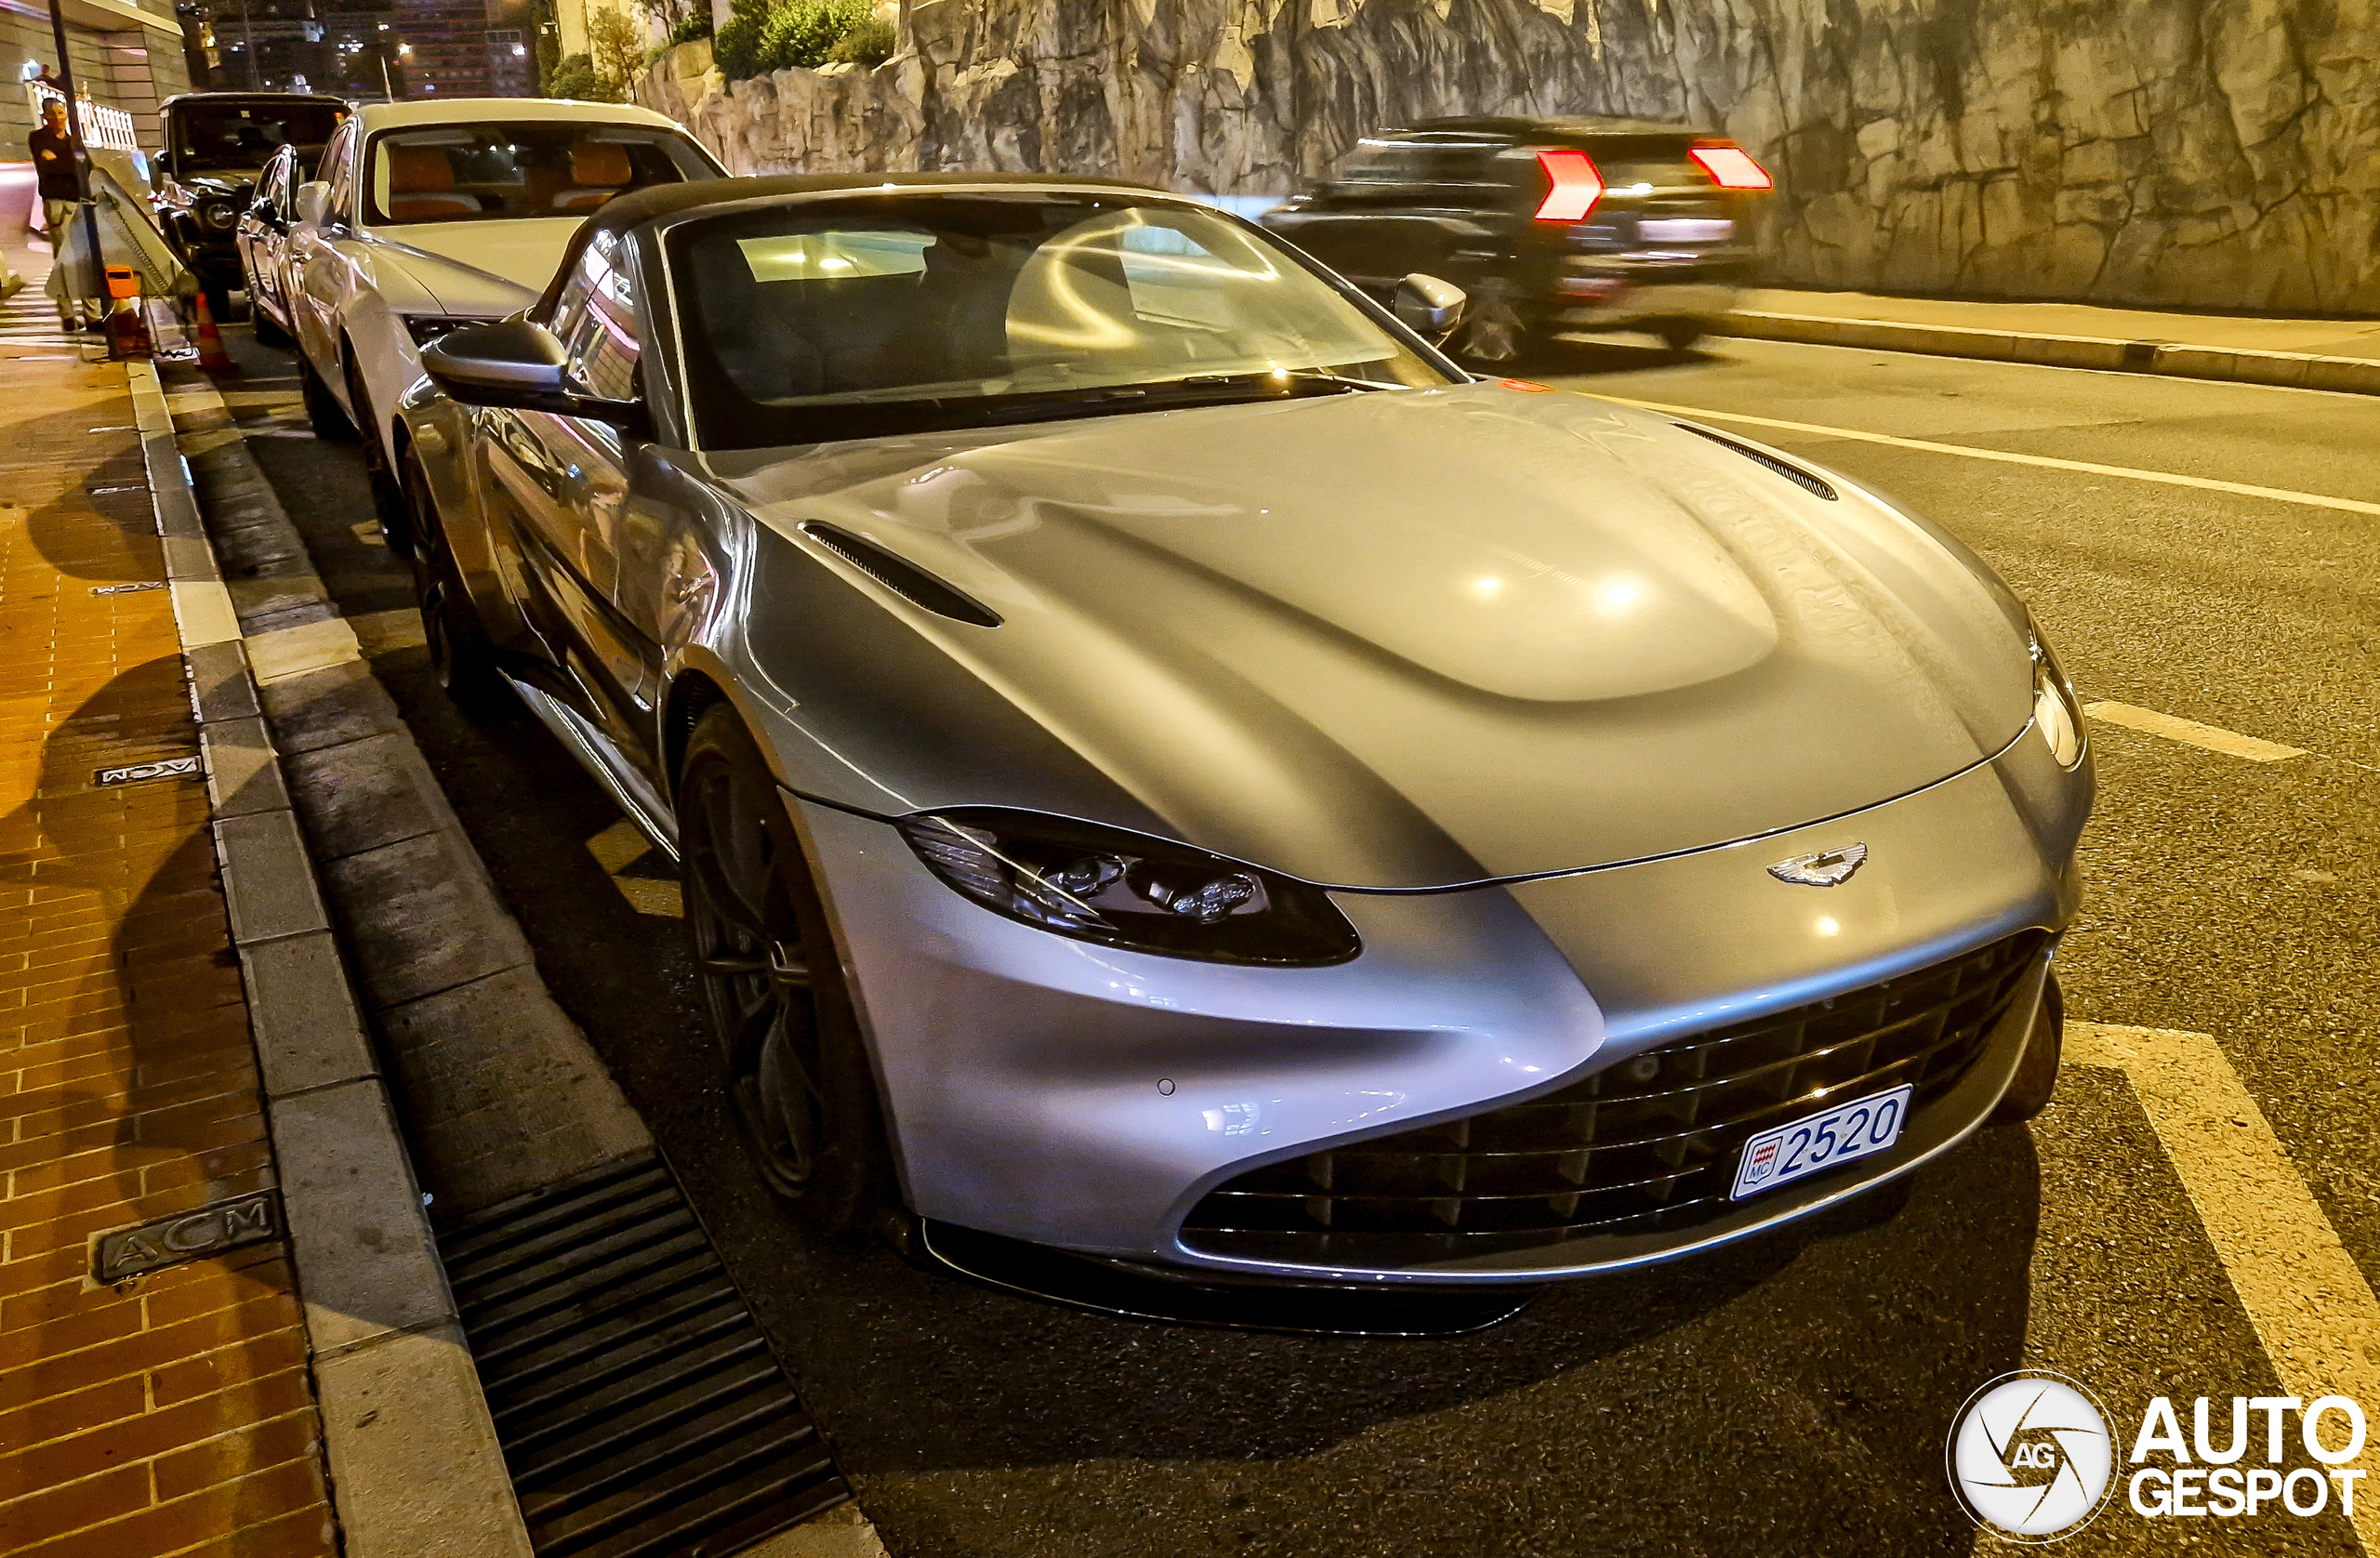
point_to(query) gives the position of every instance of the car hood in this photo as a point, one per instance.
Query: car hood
(489, 269)
(1398, 639)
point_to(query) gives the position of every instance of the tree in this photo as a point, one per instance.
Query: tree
(575, 77)
(616, 51)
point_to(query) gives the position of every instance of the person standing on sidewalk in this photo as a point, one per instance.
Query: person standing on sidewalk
(56, 171)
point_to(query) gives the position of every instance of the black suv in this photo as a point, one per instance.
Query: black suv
(216, 145)
(1550, 225)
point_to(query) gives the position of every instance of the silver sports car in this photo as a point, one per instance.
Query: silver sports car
(1171, 770)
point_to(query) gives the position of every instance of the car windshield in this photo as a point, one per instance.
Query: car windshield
(553, 167)
(214, 137)
(912, 313)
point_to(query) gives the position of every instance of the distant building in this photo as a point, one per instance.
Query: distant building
(468, 49)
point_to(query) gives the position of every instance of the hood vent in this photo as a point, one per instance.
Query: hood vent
(903, 578)
(1794, 474)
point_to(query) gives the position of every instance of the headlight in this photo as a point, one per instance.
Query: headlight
(219, 214)
(426, 328)
(2057, 713)
(1126, 890)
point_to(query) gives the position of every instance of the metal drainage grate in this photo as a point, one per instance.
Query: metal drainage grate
(640, 1410)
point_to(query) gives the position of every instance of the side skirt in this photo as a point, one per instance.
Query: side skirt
(595, 753)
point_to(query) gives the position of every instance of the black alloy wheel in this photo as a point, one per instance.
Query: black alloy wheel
(2036, 1076)
(460, 659)
(795, 1067)
(323, 411)
(388, 498)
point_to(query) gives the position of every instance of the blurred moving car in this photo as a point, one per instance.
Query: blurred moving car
(1170, 768)
(1550, 225)
(217, 147)
(262, 239)
(424, 215)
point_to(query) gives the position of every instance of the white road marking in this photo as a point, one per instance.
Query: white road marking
(2171, 479)
(2304, 1295)
(622, 845)
(2229, 743)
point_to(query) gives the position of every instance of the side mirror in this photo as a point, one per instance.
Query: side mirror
(314, 201)
(515, 365)
(1429, 307)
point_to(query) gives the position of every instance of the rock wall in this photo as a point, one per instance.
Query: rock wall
(2217, 153)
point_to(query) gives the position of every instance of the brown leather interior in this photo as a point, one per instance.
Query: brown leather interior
(598, 169)
(421, 185)
(419, 170)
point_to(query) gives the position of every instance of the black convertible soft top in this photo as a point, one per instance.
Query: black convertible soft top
(638, 206)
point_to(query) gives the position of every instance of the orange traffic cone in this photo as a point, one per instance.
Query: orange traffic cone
(212, 358)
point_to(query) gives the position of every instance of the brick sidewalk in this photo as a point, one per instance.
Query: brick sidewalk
(172, 1413)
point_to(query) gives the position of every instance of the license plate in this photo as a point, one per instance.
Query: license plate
(1818, 1141)
(1685, 230)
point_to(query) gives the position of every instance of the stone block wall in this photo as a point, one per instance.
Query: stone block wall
(2215, 153)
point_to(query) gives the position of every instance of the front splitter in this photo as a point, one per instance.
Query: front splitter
(1112, 1288)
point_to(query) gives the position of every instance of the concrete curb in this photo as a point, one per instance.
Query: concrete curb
(2354, 375)
(415, 1464)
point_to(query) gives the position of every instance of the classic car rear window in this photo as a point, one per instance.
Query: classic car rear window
(544, 167)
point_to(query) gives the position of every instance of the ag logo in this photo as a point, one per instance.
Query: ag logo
(2030, 1457)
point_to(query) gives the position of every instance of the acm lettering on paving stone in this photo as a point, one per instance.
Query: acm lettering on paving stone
(212, 1229)
(133, 774)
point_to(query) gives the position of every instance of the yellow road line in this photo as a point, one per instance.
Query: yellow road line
(2171, 479)
(622, 845)
(2214, 739)
(2308, 1301)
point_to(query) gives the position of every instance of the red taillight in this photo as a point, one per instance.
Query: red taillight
(1731, 166)
(1576, 186)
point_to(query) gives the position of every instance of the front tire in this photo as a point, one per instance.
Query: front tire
(2036, 1077)
(323, 411)
(389, 504)
(795, 1070)
(268, 332)
(460, 659)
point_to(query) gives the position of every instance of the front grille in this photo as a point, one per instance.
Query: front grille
(1646, 1145)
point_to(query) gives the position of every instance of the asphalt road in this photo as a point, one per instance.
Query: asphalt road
(1791, 1395)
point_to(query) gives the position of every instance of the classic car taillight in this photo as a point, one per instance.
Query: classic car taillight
(1576, 186)
(1732, 166)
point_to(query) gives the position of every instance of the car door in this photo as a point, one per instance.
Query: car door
(562, 483)
(322, 273)
(264, 235)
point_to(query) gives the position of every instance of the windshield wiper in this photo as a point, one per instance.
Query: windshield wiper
(1209, 390)
(1301, 376)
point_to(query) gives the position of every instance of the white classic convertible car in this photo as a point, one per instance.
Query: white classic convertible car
(424, 215)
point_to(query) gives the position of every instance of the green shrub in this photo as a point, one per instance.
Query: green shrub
(690, 27)
(871, 44)
(573, 78)
(801, 33)
(736, 51)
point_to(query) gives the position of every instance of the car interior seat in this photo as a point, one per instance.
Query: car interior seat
(599, 169)
(421, 185)
(782, 340)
